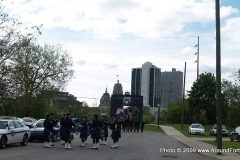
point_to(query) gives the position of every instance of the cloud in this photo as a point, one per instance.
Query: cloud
(81, 62)
(112, 18)
(111, 66)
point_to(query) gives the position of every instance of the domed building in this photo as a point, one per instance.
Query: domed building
(105, 101)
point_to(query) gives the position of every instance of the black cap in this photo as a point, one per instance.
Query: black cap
(68, 114)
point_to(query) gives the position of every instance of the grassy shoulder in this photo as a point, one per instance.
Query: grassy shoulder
(226, 144)
(185, 130)
(152, 128)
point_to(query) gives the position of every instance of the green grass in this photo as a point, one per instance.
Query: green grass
(152, 128)
(185, 130)
(226, 144)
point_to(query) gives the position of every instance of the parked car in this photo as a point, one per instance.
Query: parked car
(37, 132)
(13, 131)
(29, 121)
(235, 134)
(213, 130)
(196, 128)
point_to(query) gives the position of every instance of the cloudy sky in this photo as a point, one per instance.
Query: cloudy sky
(106, 38)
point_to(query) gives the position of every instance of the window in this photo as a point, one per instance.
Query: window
(39, 125)
(11, 124)
(3, 124)
(18, 124)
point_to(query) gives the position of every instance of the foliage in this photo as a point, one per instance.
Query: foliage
(225, 144)
(231, 92)
(202, 101)
(36, 69)
(175, 112)
(148, 118)
(152, 128)
(12, 36)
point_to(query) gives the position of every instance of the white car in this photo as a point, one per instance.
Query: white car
(196, 128)
(13, 131)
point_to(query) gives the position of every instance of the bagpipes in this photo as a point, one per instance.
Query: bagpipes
(71, 137)
(50, 136)
(102, 133)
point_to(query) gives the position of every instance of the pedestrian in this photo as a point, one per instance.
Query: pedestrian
(115, 131)
(62, 121)
(84, 125)
(106, 123)
(68, 124)
(47, 127)
(96, 129)
(142, 125)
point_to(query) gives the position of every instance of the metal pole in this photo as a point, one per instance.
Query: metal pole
(183, 94)
(218, 79)
(159, 107)
(198, 59)
(169, 95)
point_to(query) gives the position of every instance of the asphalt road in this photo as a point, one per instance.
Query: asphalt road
(132, 146)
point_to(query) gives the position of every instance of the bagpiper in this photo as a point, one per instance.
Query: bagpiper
(47, 127)
(104, 133)
(95, 134)
(62, 128)
(84, 125)
(68, 124)
(116, 131)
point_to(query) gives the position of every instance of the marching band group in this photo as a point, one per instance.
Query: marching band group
(98, 129)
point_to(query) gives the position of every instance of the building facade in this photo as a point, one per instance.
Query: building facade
(105, 101)
(172, 86)
(146, 82)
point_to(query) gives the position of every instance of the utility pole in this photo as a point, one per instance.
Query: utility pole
(159, 105)
(183, 98)
(169, 95)
(218, 79)
(197, 58)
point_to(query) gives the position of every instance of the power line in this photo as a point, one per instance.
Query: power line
(163, 37)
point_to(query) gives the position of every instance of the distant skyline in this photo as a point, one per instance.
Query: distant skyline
(107, 38)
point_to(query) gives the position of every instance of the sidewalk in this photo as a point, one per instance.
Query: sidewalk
(197, 144)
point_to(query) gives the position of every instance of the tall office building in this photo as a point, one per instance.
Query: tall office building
(172, 85)
(146, 82)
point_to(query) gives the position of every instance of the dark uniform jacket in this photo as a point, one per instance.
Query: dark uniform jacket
(47, 125)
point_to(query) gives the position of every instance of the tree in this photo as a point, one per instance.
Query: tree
(12, 38)
(35, 69)
(202, 101)
(231, 93)
(175, 112)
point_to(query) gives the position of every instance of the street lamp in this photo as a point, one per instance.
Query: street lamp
(158, 114)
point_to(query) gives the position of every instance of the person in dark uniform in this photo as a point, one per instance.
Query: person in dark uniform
(131, 125)
(96, 129)
(142, 125)
(62, 128)
(47, 127)
(52, 121)
(138, 124)
(68, 124)
(83, 131)
(115, 127)
(104, 130)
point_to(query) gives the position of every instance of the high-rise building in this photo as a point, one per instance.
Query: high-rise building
(117, 89)
(146, 82)
(172, 85)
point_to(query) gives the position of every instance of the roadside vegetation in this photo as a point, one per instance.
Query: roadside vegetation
(152, 128)
(226, 144)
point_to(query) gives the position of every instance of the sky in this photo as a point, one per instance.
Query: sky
(106, 38)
